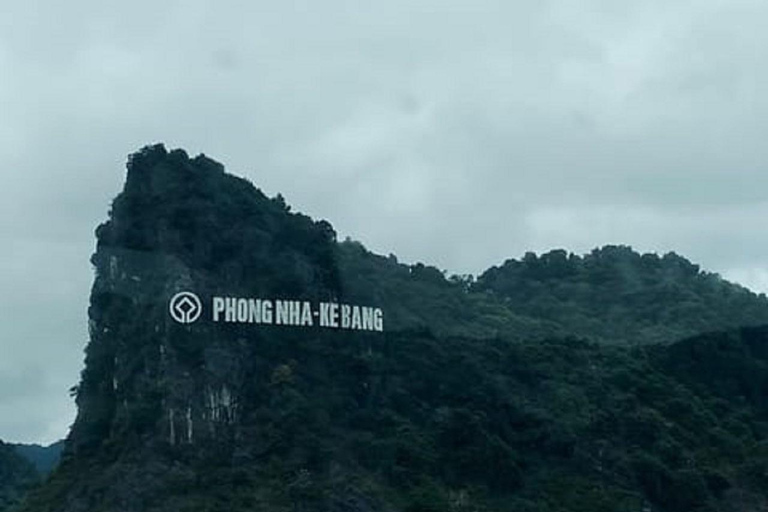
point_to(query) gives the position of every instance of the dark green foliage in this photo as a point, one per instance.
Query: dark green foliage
(413, 421)
(616, 295)
(613, 295)
(731, 365)
(474, 399)
(218, 224)
(421, 297)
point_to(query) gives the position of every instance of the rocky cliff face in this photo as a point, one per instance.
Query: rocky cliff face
(181, 224)
(156, 389)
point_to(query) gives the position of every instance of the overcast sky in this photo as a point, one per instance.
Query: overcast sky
(459, 133)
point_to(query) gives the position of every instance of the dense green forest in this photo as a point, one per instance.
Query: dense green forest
(612, 295)
(417, 423)
(558, 383)
(615, 294)
(422, 297)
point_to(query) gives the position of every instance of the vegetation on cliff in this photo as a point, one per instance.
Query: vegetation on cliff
(476, 398)
(615, 295)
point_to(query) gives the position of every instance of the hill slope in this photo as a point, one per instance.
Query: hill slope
(421, 297)
(615, 294)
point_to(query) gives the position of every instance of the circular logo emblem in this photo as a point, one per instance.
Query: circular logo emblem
(185, 307)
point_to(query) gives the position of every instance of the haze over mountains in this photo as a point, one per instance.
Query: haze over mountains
(43, 458)
(550, 383)
(17, 476)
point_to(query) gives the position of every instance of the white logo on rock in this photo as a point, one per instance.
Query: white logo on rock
(185, 307)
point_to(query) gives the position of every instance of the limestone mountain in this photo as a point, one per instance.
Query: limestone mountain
(465, 401)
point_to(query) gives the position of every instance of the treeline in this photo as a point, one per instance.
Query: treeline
(612, 295)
